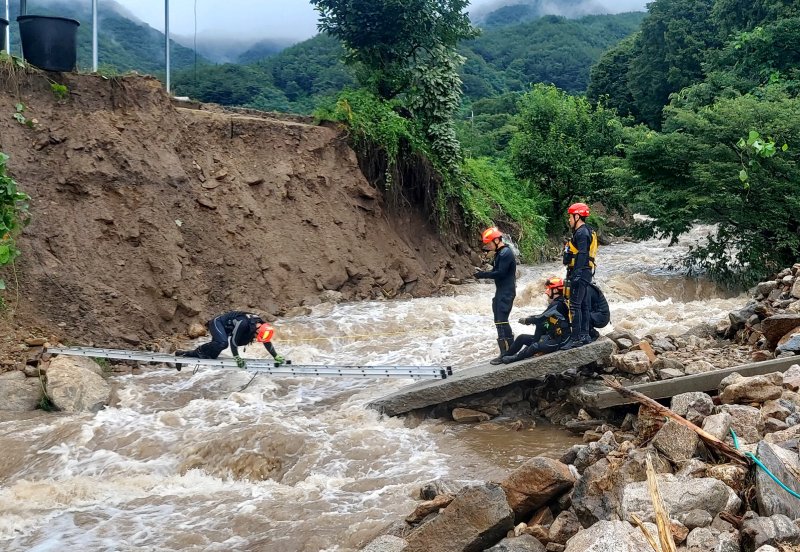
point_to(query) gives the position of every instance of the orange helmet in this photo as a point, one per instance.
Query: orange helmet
(580, 209)
(554, 283)
(264, 333)
(490, 234)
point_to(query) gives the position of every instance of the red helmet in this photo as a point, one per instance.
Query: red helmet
(580, 209)
(264, 333)
(554, 283)
(490, 234)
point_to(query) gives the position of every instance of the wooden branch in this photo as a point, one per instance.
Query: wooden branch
(662, 517)
(724, 449)
(638, 523)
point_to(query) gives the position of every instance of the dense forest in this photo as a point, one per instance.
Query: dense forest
(502, 59)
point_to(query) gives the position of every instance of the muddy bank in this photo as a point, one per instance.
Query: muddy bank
(147, 217)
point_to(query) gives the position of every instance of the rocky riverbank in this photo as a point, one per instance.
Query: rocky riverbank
(588, 499)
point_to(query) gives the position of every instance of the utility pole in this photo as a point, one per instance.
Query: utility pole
(166, 40)
(94, 36)
(7, 45)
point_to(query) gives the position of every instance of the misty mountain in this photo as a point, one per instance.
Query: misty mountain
(124, 42)
(509, 12)
(220, 48)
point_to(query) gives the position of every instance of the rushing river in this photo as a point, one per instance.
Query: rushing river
(188, 462)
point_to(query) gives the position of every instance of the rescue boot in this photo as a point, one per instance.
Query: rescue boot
(504, 344)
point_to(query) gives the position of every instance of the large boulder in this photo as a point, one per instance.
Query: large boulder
(535, 483)
(758, 531)
(18, 393)
(675, 441)
(756, 389)
(73, 387)
(778, 325)
(771, 498)
(477, 518)
(680, 495)
(746, 421)
(564, 527)
(609, 536)
(598, 493)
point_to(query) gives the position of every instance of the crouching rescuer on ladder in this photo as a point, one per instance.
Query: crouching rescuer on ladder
(235, 329)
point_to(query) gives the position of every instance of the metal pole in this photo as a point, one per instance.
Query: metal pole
(94, 36)
(7, 45)
(166, 40)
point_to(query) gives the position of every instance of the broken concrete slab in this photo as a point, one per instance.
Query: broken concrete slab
(487, 377)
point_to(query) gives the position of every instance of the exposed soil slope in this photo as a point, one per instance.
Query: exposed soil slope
(147, 217)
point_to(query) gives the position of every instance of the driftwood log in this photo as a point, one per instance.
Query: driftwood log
(711, 441)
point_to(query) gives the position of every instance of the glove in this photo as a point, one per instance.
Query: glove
(523, 321)
(478, 275)
(279, 360)
(240, 362)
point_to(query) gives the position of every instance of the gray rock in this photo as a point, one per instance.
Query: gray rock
(554, 547)
(82, 362)
(765, 288)
(696, 400)
(535, 483)
(664, 345)
(598, 493)
(728, 542)
(564, 527)
(695, 518)
(793, 433)
(790, 345)
(632, 362)
(386, 543)
(718, 425)
(522, 543)
(758, 531)
(477, 518)
(467, 415)
(609, 536)
(590, 454)
(771, 498)
(732, 475)
(75, 388)
(778, 325)
(740, 317)
(699, 367)
(680, 495)
(693, 467)
(701, 539)
(791, 378)
(776, 409)
(796, 289)
(676, 442)
(669, 373)
(18, 393)
(768, 548)
(759, 389)
(772, 425)
(745, 421)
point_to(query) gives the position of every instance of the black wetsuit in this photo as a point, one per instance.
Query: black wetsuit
(233, 329)
(504, 274)
(599, 312)
(580, 276)
(552, 329)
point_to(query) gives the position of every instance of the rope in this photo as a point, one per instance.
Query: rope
(758, 463)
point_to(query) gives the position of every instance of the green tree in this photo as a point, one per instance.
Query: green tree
(725, 164)
(13, 216)
(561, 146)
(608, 79)
(669, 53)
(388, 39)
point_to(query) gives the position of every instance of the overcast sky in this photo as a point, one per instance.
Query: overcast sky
(260, 18)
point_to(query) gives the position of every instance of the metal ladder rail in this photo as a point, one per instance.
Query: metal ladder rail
(261, 366)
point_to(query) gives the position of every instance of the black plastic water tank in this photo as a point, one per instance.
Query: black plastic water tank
(49, 43)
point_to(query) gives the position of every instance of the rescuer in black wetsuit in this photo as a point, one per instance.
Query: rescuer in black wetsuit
(504, 274)
(552, 326)
(599, 313)
(579, 258)
(235, 329)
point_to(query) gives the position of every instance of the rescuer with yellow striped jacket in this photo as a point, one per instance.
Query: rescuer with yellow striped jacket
(579, 258)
